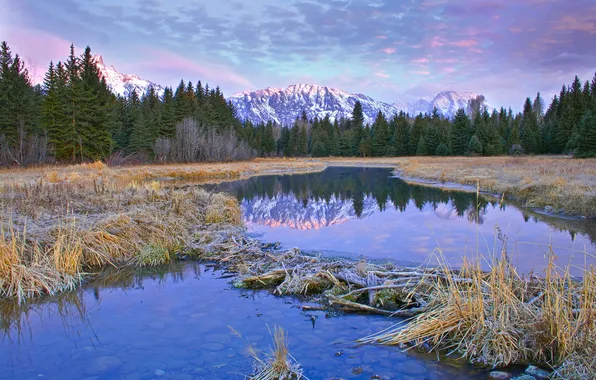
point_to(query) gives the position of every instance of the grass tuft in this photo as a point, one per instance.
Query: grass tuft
(152, 255)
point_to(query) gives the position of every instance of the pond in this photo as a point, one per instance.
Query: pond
(174, 323)
(367, 212)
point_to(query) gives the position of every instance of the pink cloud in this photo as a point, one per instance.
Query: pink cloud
(447, 60)
(420, 72)
(437, 42)
(36, 46)
(448, 70)
(381, 37)
(421, 60)
(381, 74)
(464, 43)
(388, 50)
(165, 60)
(568, 23)
(478, 51)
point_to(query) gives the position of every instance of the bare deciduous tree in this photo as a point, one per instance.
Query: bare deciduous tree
(193, 143)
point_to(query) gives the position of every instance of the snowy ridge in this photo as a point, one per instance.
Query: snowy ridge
(288, 211)
(284, 105)
(124, 84)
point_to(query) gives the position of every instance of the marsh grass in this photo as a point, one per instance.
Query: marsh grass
(497, 318)
(58, 228)
(279, 364)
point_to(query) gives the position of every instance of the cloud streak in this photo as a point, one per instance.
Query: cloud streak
(386, 49)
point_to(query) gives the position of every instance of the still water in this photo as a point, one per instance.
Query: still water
(367, 212)
(173, 323)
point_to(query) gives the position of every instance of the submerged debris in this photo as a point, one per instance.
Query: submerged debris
(494, 318)
(343, 284)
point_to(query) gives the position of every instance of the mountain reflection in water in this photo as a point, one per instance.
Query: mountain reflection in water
(364, 211)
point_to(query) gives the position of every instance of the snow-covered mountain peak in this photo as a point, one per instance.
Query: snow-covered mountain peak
(124, 84)
(285, 105)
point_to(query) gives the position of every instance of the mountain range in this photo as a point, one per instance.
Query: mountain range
(284, 105)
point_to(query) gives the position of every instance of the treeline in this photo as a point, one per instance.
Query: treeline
(567, 126)
(74, 116)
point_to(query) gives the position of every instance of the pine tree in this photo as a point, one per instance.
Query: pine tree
(529, 129)
(168, 115)
(421, 148)
(587, 132)
(380, 139)
(17, 107)
(302, 143)
(357, 116)
(402, 136)
(461, 133)
(94, 103)
(418, 130)
(268, 140)
(442, 150)
(474, 147)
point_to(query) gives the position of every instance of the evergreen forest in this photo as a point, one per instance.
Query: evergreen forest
(73, 116)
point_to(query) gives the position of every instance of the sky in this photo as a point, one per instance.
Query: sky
(388, 49)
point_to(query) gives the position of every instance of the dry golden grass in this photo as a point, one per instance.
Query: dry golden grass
(53, 232)
(565, 184)
(279, 364)
(498, 318)
(123, 175)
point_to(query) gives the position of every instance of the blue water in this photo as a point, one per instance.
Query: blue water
(173, 323)
(367, 212)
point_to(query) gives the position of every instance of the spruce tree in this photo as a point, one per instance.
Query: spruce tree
(474, 147)
(529, 129)
(380, 139)
(421, 148)
(587, 135)
(357, 116)
(402, 136)
(302, 148)
(461, 133)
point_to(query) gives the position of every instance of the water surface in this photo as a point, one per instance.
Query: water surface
(173, 323)
(367, 212)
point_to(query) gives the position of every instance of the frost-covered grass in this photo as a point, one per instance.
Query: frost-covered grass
(54, 231)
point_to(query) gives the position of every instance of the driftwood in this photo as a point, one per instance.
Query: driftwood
(354, 306)
(291, 272)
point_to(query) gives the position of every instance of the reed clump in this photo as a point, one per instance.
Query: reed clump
(498, 318)
(279, 364)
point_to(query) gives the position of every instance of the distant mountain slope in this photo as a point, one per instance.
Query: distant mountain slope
(284, 105)
(124, 84)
